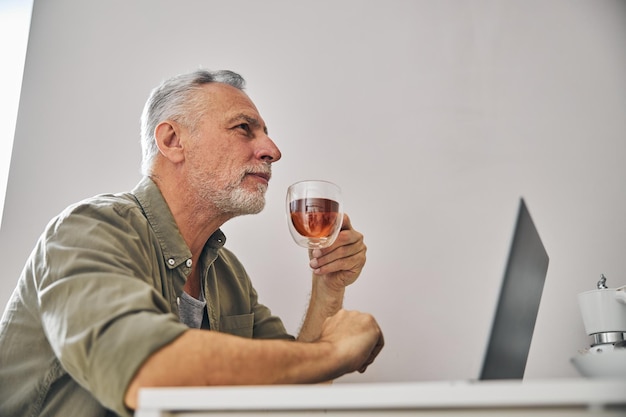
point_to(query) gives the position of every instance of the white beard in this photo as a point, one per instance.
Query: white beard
(231, 199)
(238, 201)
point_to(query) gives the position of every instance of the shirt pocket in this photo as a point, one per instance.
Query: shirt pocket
(240, 325)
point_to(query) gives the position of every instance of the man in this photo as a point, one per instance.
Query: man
(136, 289)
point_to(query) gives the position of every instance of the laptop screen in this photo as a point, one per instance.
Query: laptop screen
(518, 303)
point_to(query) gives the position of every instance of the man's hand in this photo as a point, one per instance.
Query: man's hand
(340, 264)
(356, 337)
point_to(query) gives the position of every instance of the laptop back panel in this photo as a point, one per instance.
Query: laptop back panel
(518, 303)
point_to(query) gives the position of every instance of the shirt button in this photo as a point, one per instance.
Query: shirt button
(171, 261)
(189, 263)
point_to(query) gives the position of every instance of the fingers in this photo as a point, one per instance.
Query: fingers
(374, 353)
(350, 257)
(346, 236)
(347, 253)
(376, 347)
(346, 224)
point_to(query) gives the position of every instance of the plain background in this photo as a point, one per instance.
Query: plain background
(434, 117)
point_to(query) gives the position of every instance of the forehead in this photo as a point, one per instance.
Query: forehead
(225, 101)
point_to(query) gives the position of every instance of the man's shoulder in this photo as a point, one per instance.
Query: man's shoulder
(119, 204)
(101, 212)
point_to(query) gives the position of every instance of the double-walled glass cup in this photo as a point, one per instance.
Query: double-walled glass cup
(315, 213)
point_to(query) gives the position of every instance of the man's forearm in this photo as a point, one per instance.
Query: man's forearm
(206, 358)
(324, 303)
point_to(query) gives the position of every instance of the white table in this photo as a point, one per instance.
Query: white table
(555, 397)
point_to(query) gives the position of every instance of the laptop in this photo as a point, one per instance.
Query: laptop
(518, 304)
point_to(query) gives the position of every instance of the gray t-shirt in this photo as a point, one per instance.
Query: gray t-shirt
(192, 310)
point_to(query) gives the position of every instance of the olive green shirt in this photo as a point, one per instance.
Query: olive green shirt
(97, 297)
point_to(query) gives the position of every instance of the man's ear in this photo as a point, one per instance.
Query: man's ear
(168, 140)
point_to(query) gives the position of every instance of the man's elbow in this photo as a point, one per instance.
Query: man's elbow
(132, 394)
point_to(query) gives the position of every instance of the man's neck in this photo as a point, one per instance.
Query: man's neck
(196, 221)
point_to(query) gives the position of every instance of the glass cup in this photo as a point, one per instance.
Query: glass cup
(315, 213)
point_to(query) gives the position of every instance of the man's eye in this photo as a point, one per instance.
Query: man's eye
(244, 126)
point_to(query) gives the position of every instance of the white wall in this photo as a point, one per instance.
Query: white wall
(14, 26)
(434, 117)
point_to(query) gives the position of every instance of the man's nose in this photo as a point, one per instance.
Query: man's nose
(269, 152)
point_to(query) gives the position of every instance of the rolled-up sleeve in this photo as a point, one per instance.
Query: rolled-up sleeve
(99, 300)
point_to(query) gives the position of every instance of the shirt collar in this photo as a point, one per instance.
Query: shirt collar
(161, 220)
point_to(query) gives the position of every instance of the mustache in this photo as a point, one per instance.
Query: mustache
(264, 170)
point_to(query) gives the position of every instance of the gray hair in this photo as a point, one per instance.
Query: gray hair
(176, 99)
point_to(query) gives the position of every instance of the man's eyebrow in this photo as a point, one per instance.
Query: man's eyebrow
(252, 121)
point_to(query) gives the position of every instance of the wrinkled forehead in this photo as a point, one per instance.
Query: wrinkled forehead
(224, 96)
(224, 102)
